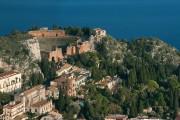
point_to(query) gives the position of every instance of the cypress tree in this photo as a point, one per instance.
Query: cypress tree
(132, 78)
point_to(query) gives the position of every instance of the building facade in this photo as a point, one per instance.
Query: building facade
(66, 83)
(52, 92)
(116, 117)
(100, 32)
(45, 33)
(10, 82)
(53, 55)
(13, 109)
(32, 96)
(71, 50)
(84, 47)
(41, 107)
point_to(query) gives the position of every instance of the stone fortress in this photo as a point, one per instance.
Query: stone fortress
(58, 53)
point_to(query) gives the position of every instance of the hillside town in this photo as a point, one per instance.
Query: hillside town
(38, 99)
(38, 102)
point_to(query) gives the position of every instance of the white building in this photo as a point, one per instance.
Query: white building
(109, 82)
(81, 75)
(10, 81)
(13, 109)
(100, 32)
(116, 117)
(64, 69)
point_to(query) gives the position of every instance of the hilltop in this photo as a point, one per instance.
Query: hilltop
(142, 73)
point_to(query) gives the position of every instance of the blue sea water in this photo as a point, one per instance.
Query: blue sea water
(121, 18)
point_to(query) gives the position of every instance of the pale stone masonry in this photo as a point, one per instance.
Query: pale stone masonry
(45, 33)
(32, 100)
(116, 117)
(53, 115)
(41, 107)
(52, 92)
(100, 32)
(54, 55)
(109, 82)
(70, 79)
(32, 96)
(13, 109)
(64, 69)
(10, 82)
(66, 83)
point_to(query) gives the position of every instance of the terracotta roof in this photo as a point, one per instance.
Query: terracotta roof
(62, 78)
(8, 74)
(36, 88)
(12, 104)
(41, 103)
(52, 88)
(20, 117)
(65, 66)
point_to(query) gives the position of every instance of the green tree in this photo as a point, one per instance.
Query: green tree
(132, 78)
(5, 98)
(36, 79)
(133, 108)
(140, 106)
(152, 86)
(1, 70)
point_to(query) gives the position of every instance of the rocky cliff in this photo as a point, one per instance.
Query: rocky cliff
(14, 55)
(33, 46)
(154, 47)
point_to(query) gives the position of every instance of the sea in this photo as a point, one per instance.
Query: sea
(124, 19)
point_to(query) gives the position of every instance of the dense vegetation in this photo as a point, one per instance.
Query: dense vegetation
(4, 99)
(150, 77)
(146, 82)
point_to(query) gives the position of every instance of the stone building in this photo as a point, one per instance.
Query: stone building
(116, 117)
(53, 115)
(56, 54)
(109, 82)
(45, 33)
(41, 107)
(13, 110)
(64, 69)
(10, 81)
(52, 92)
(71, 79)
(32, 96)
(32, 100)
(66, 83)
(100, 32)
(84, 47)
(71, 50)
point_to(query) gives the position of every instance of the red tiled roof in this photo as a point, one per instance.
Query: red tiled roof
(7, 74)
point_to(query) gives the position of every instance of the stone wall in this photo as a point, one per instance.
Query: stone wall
(47, 33)
(56, 55)
(71, 50)
(84, 47)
